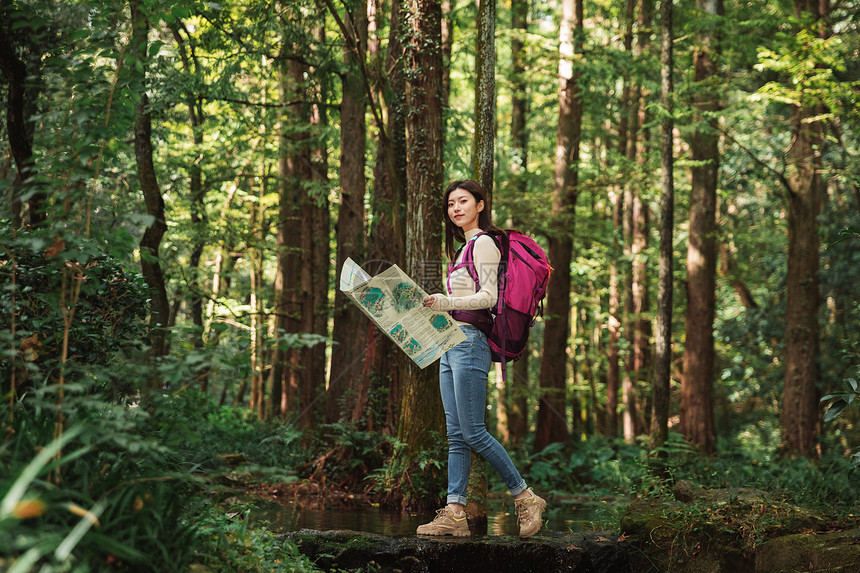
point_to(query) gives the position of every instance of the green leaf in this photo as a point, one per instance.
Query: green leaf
(33, 469)
(834, 410)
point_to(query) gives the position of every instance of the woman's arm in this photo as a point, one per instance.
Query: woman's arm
(486, 257)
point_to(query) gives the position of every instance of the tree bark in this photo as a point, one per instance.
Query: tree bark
(551, 419)
(197, 193)
(349, 323)
(290, 301)
(800, 416)
(385, 239)
(421, 408)
(485, 98)
(613, 367)
(315, 372)
(697, 409)
(515, 393)
(616, 269)
(255, 256)
(641, 324)
(447, 46)
(151, 240)
(17, 72)
(663, 340)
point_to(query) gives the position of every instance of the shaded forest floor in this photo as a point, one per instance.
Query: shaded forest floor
(181, 483)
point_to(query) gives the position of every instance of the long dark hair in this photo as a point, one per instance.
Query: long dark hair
(485, 220)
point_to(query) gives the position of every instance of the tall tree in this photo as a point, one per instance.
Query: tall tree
(196, 186)
(697, 409)
(483, 163)
(385, 239)
(551, 419)
(315, 360)
(151, 240)
(616, 269)
(20, 63)
(421, 408)
(800, 415)
(663, 338)
(288, 278)
(515, 403)
(349, 323)
(485, 97)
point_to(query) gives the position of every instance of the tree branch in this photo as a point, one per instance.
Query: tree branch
(362, 65)
(779, 174)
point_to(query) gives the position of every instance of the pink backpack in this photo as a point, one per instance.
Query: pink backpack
(523, 277)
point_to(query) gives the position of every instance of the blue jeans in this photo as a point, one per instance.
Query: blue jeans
(463, 383)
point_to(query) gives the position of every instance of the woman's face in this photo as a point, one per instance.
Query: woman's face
(463, 209)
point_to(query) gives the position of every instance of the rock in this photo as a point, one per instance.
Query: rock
(686, 491)
(808, 552)
(547, 552)
(734, 531)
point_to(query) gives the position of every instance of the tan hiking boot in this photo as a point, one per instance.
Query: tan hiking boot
(446, 523)
(529, 512)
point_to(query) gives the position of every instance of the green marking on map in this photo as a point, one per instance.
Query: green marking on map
(440, 322)
(412, 347)
(399, 333)
(373, 299)
(406, 296)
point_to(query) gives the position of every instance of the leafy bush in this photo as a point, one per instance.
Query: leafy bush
(105, 317)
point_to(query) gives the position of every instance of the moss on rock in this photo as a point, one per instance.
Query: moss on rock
(725, 530)
(838, 551)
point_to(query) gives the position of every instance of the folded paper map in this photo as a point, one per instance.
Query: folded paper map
(394, 302)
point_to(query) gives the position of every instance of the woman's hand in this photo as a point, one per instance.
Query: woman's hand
(435, 301)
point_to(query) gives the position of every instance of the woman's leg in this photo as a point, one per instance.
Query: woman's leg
(469, 368)
(459, 453)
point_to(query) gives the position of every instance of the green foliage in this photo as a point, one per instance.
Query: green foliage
(110, 498)
(109, 311)
(229, 545)
(417, 479)
(842, 400)
(142, 475)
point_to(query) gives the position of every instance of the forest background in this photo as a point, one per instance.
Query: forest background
(183, 181)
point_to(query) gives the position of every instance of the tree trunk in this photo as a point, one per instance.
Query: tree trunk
(255, 256)
(447, 46)
(18, 105)
(515, 392)
(385, 240)
(551, 419)
(151, 240)
(315, 371)
(485, 98)
(616, 269)
(697, 409)
(198, 207)
(421, 408)
(640, 231)
(800, 416)
(349, 323)
(292, 164)
(663, 339)
(613, 367)
(483, 163)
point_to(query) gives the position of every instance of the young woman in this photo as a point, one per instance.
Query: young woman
(463, 369)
